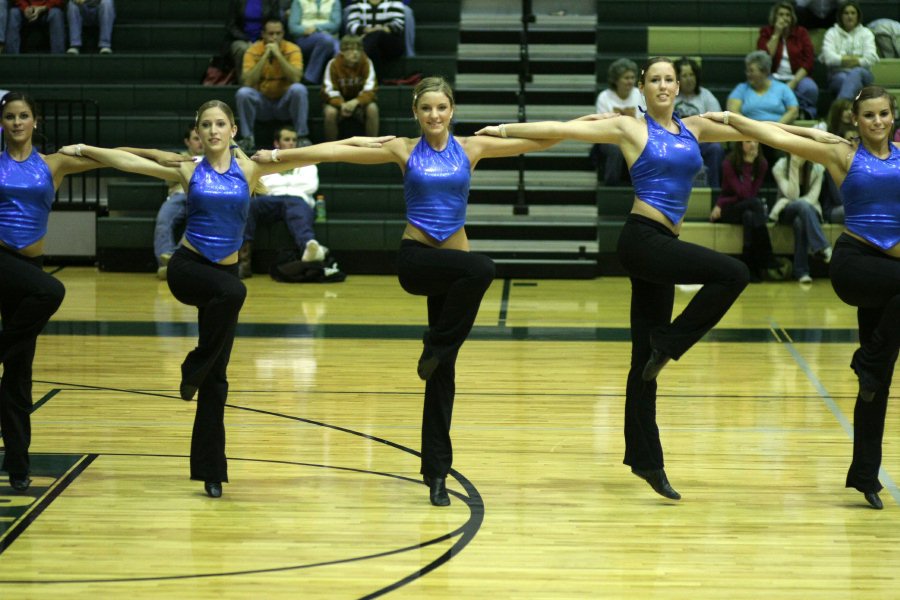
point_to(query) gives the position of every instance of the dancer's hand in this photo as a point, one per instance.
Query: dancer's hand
(262, 157)
(491, 130)
(171, 159)
(370, 142)
(828, 138)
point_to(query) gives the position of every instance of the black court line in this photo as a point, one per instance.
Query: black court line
(414, 332)
(35, 511)
(79, 387)
(44, 400)
(56, 270)
(466, 533)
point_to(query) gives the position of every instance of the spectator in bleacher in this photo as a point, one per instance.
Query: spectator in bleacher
(840, 117)
(694, 99)
(173, 213)
(288, 198)
(849, 52)
(761, 97)
(349, 89)
(791, 50)
(743, 173)
(28, 295)
(381, 25)
(816, 14)
(314, 25)
(624, 98)
(34, 13)
(244, 26)
(887, 37)
(865, 265)
(203, 272)
(93, 12)
(271, 85)
(799, 184)
(434, 258)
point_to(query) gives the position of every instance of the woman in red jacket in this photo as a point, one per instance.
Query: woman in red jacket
(792, 54)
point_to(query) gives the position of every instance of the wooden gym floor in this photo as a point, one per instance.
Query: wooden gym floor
(325, 500)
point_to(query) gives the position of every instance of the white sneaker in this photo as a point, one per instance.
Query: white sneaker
(73, 50)
(826, 254)
(314, 252)
(805, 279)
(105, 50)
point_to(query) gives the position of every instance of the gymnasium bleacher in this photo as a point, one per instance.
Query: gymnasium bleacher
(148, 90)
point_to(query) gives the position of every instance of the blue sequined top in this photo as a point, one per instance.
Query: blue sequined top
(26, 195)
(436, 188)
(871, 193)
(217, 206)
(663, 174)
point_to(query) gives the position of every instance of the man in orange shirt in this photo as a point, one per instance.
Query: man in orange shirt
(271, 85)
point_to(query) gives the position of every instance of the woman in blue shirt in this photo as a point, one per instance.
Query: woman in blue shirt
(761, 97)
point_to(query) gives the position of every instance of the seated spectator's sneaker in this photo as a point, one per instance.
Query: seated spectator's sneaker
(314, 252)
(825, 254)
(805, 279)
(105, 50)
(73, 50)
(162, 273)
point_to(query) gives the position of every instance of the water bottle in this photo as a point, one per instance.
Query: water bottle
(320, 208)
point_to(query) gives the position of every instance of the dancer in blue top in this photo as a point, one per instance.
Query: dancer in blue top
(663, 156)
(434, 259)
(865, 263)
(28, 296)
(203, 272)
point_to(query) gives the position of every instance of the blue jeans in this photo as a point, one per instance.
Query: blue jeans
(293, 210)
(172, 216)
(318, 48)
(293, 105)
(846, 84)
(103, 15)
(807, 93)
(54, 21)
(808, 234)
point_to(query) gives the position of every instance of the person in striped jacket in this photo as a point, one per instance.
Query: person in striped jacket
(381, 24)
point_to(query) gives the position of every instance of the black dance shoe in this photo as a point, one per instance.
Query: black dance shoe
(658, 481)
(213, 489)
(19, 483)
(437, 490)
(873, 500)
(187, 391)
(654, 365)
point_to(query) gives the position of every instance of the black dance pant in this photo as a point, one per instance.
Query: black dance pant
(454, 282)
(28, 298)
(865, 277)
(656, 260)
(218, 294)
